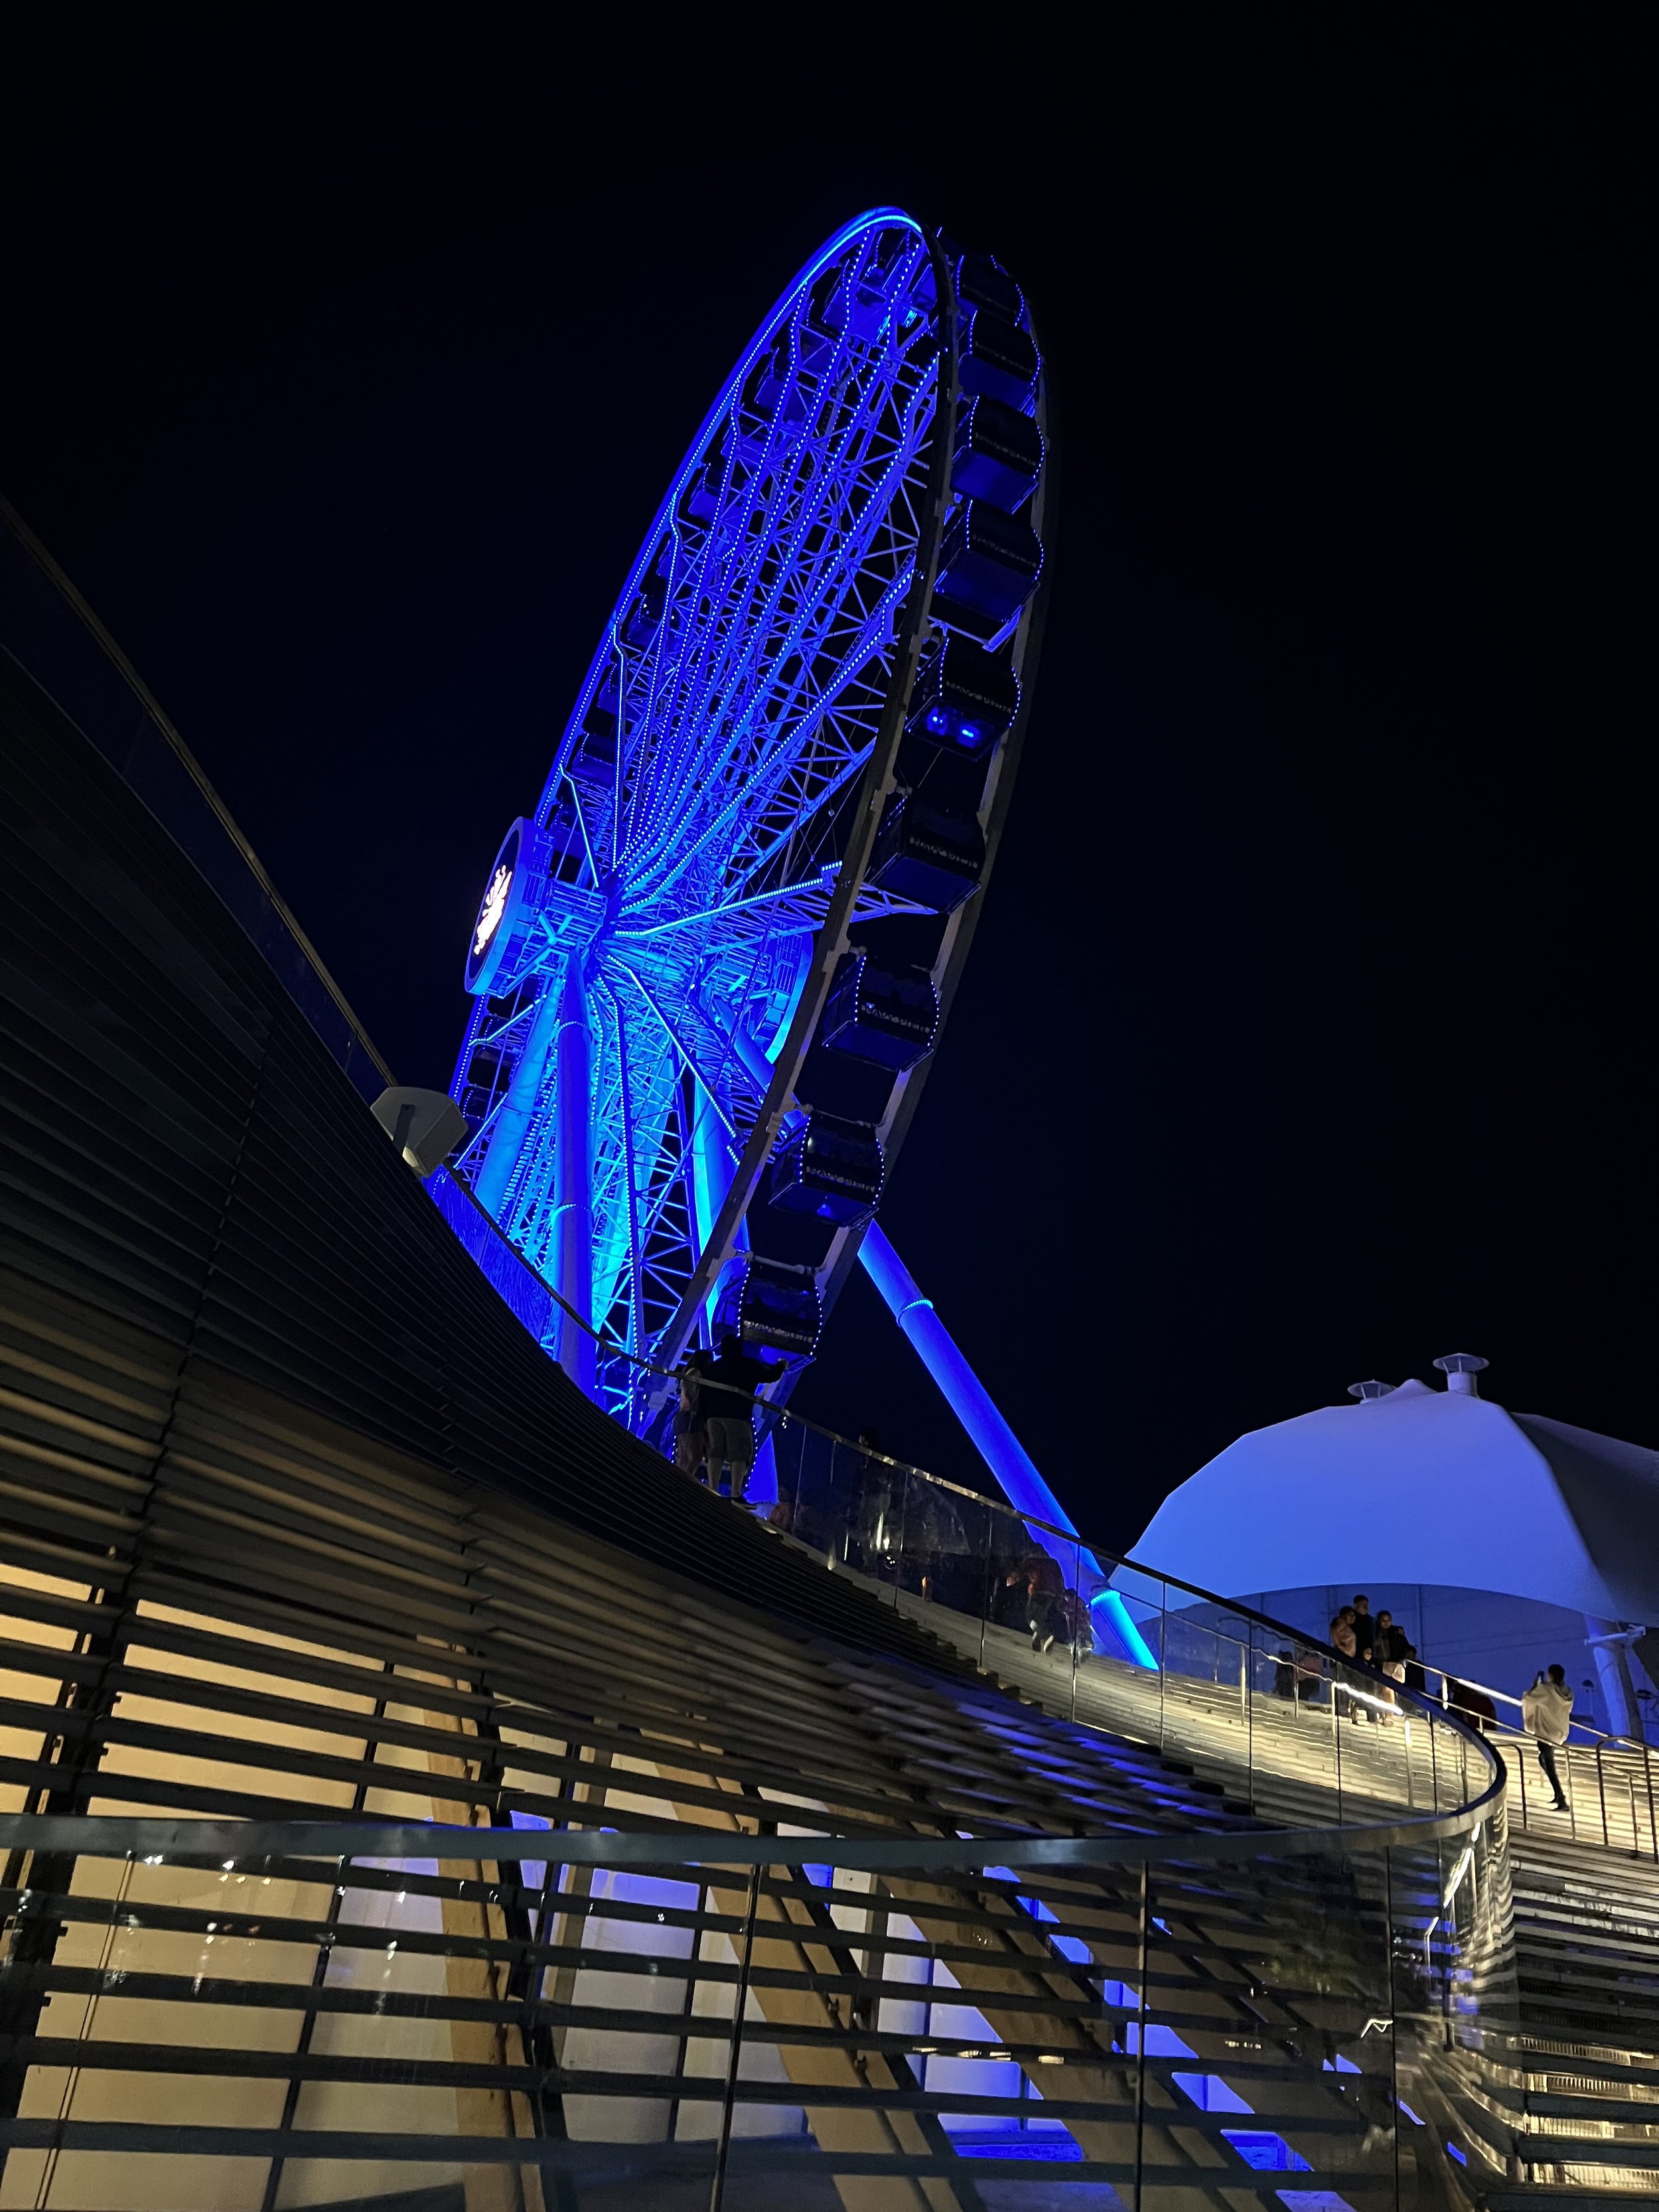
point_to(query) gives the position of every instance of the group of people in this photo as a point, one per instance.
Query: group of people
(715, 1418)
(1378, 1642)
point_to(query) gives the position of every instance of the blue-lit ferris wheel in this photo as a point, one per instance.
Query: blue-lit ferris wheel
(710, 970)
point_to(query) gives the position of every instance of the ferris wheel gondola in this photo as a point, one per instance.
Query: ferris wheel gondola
(708, 971)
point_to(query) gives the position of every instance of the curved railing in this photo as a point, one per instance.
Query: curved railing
(825, 1489)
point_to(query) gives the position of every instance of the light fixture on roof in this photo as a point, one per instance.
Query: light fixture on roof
(1460, 1370)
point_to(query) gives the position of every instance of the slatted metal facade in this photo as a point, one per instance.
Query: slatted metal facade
(296, 1520)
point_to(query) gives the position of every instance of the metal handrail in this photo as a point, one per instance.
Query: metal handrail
(119, 1835)
(1504, 1697)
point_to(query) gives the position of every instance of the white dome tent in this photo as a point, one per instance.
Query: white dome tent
(1501, 1540)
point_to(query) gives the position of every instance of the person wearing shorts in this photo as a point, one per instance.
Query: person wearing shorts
(728, 1395)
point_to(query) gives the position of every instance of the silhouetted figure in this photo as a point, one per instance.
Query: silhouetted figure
(1044, 1587)
(728, 1395)
(1364, 1646)
(690, 1415)
(1464, 1698)
(1388, 1650)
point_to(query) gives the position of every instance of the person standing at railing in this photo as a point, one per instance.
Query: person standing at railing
(1466, 1698)
(1043, 1586)
(690, 1415)
(728, 1394)
(1365, 1651)
(1345, 1644)
(1389, 1651)
(1546, 1709)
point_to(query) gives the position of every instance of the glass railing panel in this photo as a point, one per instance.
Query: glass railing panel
(276, 2028)
(1206, 1704)
(979, 2029)
(1265, 2061)
(966, 1582)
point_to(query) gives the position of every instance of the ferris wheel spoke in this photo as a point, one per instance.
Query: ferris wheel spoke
(862, 644)
(575, 789)
(875, 632)
(805, 890)
(708, 1080)
(791, 639)
(815, 581)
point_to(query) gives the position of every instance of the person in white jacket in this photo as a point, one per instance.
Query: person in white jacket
(1546, 1709)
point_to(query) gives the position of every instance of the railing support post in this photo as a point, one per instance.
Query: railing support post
(1141, 2032)
(717, 2187)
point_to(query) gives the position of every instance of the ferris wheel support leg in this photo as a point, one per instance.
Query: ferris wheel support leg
(573, 1176)
(712, 1170)
(512, 1122)
(992, 1438)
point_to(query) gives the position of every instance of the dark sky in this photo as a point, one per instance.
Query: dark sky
(1307, 1033)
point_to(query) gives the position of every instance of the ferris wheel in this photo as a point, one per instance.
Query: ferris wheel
(710, 970)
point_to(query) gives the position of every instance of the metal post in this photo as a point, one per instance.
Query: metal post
(717, 2189)
(572, 1176)
(1394, 2015)
(1080, 1614)
(1163, 1661)
(986, 1595)
(1140, 2032)
(1336, 1732)
(991, 1436)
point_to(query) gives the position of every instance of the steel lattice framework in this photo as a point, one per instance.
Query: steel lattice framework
(657, 944)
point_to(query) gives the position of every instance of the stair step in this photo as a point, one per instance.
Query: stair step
(1555, 2198)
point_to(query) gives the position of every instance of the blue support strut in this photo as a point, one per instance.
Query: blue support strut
(572, 1176)
(992, 1438)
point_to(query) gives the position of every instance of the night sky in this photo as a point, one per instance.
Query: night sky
(1308, 1030)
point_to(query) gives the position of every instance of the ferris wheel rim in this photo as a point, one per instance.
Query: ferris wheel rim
(870, 219)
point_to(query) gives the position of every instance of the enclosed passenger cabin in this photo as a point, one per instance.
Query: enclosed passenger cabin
(779, 1308)
(829, 1167)
(963, 698)
(928, 853)
(999, 453)
(880, 1011)
(989, 567)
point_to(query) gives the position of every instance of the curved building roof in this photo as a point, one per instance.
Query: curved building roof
(1422, 1486)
